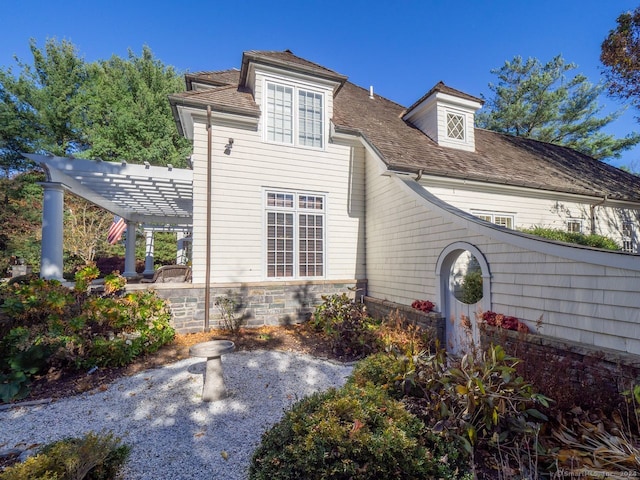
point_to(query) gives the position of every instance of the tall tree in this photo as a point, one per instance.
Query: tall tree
(538, 101)
(40, 108)
(620, 54)
(128, 114)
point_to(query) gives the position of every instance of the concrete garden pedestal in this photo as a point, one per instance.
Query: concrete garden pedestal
(214, 388)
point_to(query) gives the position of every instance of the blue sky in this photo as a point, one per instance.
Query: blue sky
(401, 47)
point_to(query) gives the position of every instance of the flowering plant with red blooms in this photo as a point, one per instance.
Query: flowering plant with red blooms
(508, 323)
(423, 305)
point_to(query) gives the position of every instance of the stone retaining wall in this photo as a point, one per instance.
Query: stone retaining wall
(427, 321)
(262, 303)
(569, 372)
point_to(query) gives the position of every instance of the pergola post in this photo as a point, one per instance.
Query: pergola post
(148, 256)
(130, 251)
(181, 255)
(51, 265)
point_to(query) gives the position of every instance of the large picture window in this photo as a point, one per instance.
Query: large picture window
(294, 113)
(295, 235)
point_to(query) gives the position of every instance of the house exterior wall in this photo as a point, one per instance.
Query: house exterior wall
(577, 294)
(238, 192)
(531, 208)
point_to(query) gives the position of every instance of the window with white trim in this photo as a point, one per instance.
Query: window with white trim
(501, 219)
(628, 238)
(295, 235)
(294, 115)
(455, 126)
(574, 225)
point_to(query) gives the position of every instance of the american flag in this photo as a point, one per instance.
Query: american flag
(116, 230)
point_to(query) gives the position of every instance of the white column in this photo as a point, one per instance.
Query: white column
(148, 256)
(130, 251)
(51, 265)
(181, 256)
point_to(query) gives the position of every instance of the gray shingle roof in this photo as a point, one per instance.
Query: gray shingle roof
(498, 159)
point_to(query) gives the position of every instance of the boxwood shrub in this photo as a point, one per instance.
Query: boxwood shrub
(352, 433)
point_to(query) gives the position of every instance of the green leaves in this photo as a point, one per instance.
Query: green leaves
(539, 101)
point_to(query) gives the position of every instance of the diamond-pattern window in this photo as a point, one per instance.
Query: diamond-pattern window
(455, 126)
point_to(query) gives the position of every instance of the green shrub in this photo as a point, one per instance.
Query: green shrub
(351, 433)
(92, 457)
(345, 322)
(471, 288)
(476, 400)
(50, 326)
(591, 240)
(384, 370)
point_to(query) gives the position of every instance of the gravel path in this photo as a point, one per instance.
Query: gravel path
(172, 433)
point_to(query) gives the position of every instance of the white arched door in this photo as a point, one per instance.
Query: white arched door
(464, 293)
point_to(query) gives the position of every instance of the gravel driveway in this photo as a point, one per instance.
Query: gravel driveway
(172, 433)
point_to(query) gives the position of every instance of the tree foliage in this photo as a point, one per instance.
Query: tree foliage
(620, 54)
(538, 101)
(128, 114)
(114, 109)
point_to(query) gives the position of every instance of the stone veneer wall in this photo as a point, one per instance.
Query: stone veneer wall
(432, 320)
(263, 303)
(571, 373)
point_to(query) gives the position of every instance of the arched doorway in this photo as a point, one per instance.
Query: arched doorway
(464, 284)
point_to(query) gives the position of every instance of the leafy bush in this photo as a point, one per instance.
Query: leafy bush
(46, 325)
(591, 240)
(471, 289)
(477, 400)
(346, 324)
(503, 321)
(384, 370)
(92, 457)
(352, 433)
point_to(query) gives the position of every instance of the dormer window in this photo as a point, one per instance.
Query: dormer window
(455, 126)
(294, 115)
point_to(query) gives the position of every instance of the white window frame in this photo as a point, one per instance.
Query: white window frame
(574, 221)
(296, 89)
(461, 115)
(628, 237)
(495, 217)
(298, 212)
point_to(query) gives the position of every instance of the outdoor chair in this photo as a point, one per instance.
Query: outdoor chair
(170, 274)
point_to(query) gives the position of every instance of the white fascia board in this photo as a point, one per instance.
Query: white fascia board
(464, 103)
(356, 138)
(288, 75)
(190, 115)
(232, 120)
(577, 253)
(506, 189)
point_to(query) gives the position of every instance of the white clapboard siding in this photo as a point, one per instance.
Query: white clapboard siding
(534, 208)
(575, 293)
(239, 181)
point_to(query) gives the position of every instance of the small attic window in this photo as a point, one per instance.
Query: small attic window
(455, 126)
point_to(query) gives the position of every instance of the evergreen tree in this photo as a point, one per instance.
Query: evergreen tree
(128, 115)
(538, 101)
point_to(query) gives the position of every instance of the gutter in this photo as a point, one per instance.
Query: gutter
(592, 209)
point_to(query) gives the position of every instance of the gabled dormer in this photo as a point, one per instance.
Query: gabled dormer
(446, 115)
(295, 97)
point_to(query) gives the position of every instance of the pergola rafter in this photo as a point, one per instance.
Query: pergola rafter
(160, 198)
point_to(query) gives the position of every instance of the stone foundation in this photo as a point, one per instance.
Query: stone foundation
(427, 321)
(260, 303)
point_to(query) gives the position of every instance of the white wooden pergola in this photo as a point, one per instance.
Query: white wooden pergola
(158, 198)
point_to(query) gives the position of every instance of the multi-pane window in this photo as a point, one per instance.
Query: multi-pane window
(310, 119)
(295, 235)
(294, 113)
(279, 113)
(455, 126)
(501, 219)
(628, 237)
(574, 226)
